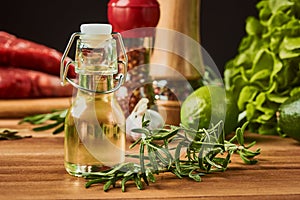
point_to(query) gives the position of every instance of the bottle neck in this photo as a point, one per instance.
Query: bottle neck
(97, 64)
(96, 82)
(96, 56)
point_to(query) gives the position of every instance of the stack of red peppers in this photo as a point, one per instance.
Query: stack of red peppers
(29, 70)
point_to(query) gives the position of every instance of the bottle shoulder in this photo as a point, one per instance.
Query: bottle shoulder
(104, 108)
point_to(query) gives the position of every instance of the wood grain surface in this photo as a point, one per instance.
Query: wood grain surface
(17, 108)
(33, 168)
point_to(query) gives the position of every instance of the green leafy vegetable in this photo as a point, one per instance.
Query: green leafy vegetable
(266, 70)
(178, 150)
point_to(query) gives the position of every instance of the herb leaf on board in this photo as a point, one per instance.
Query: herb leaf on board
(178, 150)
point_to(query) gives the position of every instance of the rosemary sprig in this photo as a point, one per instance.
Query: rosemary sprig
(58, 118)
(9, 134)
(179, 150)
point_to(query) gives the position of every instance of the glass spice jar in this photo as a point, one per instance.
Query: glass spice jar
(138, 82)
(133, 19)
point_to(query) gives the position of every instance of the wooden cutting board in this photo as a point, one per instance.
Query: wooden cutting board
(26, 107)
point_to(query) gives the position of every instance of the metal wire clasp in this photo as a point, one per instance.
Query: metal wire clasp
(66, 64)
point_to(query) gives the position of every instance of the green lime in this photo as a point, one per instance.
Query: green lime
(289, 117)
(232, 113)
(207, 106)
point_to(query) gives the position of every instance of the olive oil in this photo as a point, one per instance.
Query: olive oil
(94, 138)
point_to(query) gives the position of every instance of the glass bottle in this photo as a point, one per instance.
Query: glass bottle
(95, 123)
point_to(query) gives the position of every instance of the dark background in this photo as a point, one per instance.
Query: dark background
(222, 22)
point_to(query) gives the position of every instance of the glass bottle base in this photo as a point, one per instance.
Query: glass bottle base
(79, 170)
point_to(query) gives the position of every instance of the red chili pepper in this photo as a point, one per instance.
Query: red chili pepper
(16, 83)
(27, 54)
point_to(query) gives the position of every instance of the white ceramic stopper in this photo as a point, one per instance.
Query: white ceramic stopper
(91, 29)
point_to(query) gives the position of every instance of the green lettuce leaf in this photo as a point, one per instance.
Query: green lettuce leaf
(266, 70)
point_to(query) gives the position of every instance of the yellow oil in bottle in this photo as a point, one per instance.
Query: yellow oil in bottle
(94, 134)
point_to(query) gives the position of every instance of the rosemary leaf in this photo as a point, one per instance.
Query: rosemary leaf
(59, 129)
(125, 179)
(138, 182)
(195, 177)
(107, 185)
(135, 143)
(98, 180)
(46, 127)
(9, 134)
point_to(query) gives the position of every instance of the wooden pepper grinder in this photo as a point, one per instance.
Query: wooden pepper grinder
(178, 31)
